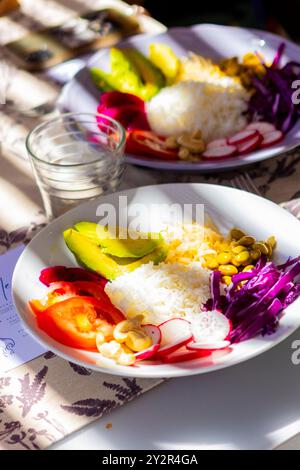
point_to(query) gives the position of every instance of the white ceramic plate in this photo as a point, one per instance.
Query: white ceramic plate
(228, 207)
(216, 42)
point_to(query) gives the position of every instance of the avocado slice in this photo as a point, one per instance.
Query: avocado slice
(123, 77)
(90, 255)
(126, 83)
(148, 71)
(164, 58)
(100, 79)
(131, 72)
(121, 64)
(151, 75)
(122, 248)
(92, 230)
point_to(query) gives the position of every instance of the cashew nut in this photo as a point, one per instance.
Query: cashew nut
(132, 334)
(183, 153)
(137, 340)
(122, 329)
(118, 352)
(191, 143)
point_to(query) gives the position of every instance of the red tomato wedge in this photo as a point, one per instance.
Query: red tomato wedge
(36, 306)
(53, 297)
(95, 290)
(149, 144)
(74, 321)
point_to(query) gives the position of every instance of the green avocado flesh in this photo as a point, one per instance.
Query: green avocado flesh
(152, 77)
(121, 247)
(90, 255)
(124, 76)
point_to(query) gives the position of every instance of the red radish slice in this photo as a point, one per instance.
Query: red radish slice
(207, 346)
(262, 127)
(271, 138)
(242, 136)
(174, 334)
(155, 334)
(216, 143)
(250, 145)
(183, 355)
(220, 152)
(211, 327)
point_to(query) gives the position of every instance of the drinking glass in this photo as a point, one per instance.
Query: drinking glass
(76, 157)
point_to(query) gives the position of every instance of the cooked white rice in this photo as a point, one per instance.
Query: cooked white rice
(161, 292)
(191, 106)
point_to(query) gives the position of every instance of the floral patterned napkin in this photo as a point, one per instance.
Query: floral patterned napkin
(49, 398)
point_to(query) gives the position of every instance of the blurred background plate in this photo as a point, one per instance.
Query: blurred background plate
(213, 41)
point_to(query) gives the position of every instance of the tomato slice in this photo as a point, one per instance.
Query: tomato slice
(88, 288)
(147, 143)
(75, 321)
(96, 290)
(36, 306)
(54, 296)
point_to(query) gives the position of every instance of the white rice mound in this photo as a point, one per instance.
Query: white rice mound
(161, 292)
(191, 106)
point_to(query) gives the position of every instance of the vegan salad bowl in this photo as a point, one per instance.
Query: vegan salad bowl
(177, 298)
(202, 98)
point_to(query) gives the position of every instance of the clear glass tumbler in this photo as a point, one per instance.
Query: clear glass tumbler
(76, 157)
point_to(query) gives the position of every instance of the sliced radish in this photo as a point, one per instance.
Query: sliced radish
(262, 127)
(271, 138)
(250, 145)
(216, 143)
(220, 152)
(211, 327)
(174, 334)
(155, 334)
(242, 137)
(199, 346)
(182, 355)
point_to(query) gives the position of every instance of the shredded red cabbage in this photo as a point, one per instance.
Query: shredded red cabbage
(256, 306)
(272, 99)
